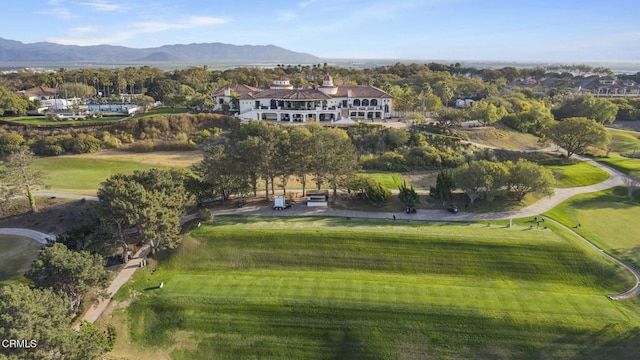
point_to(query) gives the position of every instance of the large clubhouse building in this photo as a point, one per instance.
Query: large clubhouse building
(281, 102)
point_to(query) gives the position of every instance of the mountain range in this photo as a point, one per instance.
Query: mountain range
(15, 51)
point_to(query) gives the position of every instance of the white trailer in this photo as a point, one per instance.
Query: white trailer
(279, 203)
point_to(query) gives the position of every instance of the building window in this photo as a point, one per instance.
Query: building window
(356, 102)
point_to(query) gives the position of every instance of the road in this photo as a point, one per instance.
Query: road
(561, 194)
(35, 235)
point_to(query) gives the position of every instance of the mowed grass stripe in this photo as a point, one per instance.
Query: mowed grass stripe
(509, 254)
(300, 288)
(264, 289)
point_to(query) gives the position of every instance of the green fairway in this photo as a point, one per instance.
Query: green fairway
(44, 121)
(622, 164)
(16, 255)
(327, 288)
(578, 174)
(608, 218)
(624, 142)
(627, 143)
(83, 175)
(162, 112)
(390, 180)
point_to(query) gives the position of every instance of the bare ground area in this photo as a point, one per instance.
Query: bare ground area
(54, 215)
(167, 158)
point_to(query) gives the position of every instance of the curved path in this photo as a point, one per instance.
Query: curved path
(635, 290)
(35, 235)
(545, 204)
(616, 178)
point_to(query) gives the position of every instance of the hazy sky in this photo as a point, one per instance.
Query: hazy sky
(510, 30)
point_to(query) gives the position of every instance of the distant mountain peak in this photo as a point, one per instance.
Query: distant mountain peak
(11, 50)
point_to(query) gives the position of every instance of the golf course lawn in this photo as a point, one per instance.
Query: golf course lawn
(330, 288)
(390, 180)
(82, 174)
(578, 174)
(16, 255)
(623, 142)
(608, 218)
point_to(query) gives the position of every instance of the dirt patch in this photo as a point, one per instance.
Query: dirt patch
(166, 158)
(54, 215)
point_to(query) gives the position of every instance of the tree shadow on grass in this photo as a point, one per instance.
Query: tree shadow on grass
(619, 346)
(610, 199)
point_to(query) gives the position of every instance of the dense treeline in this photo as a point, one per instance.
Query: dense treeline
(171, 132)
(260, 151)
(415, 87)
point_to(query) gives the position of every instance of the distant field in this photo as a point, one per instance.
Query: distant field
(82, 174)
(16, 255)
(608, 218)
(326, 288)
(578, 174)
(502, 137)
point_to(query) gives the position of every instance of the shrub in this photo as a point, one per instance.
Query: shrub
(368, 188)
(84, 143)
(203, 214)
(389, 161)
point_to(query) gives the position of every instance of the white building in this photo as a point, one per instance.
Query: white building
(281, 102)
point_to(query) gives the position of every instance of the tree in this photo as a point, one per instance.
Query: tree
(13, 103)
(601, 110)
(486, 113)
(498, 175)
(448, 117)
(153, 201)
(94, 232)
(253, 146)
(632, 182)
(444, 91)
(223, 171)
(10, 142)
(301, 154)
(144, 101)
(407, 196)
(475, 178)
(527, 177)
(72, 273)
(598, 109)
(41, 318)
(77, 90)
(444, 186)
(576, 134)
(368, 188)
(335, 159)
(162, 89)
(284, 164)
(19, 173)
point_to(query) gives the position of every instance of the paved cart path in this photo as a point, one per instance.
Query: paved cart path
(616, 178)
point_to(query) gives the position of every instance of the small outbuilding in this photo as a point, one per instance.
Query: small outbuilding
(318, 198)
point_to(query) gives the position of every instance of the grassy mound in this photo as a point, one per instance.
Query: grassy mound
(245, 287)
